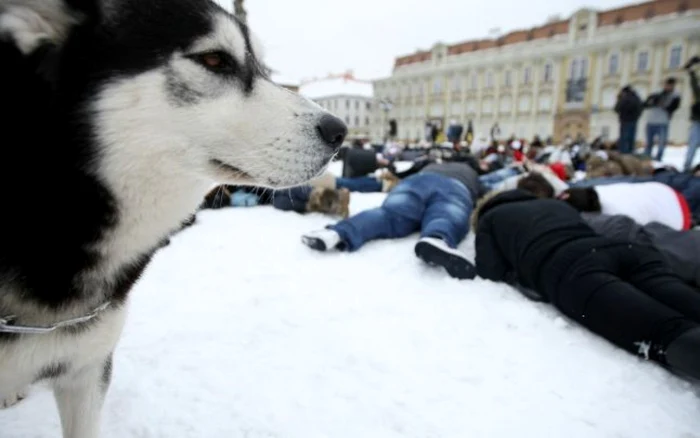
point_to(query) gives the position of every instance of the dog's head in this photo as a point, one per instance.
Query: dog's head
(176, 83)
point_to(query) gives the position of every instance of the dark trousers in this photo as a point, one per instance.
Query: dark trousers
(626, 294)
(628, 134)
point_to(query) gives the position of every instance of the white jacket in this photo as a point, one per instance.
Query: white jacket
(645, 202)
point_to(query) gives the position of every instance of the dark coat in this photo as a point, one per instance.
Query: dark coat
(629, 106)
(681, 249)
(518, 235)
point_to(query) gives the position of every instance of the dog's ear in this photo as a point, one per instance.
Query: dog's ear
(35, 24)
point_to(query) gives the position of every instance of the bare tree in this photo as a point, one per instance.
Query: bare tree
(239, 10)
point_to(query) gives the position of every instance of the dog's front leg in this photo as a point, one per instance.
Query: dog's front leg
(80, 397)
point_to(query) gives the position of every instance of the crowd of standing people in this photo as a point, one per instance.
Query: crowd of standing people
(660, 107)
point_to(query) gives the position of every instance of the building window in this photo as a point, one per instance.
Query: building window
(489, 80)
(643, 61)
(524, 104)
(579, 68)
(437, 86)
(368, 106)
(357, 121)
(347, 120)
(507, 78)
(506, 104)
(613, 64)
(456, 83)
(474, 81)
(527, 73)
(357, 105)
(674, 60)
(367, 121)
(548, 72)
(347, 104)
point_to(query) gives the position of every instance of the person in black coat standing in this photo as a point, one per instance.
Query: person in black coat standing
(621, 291)
(629, 108)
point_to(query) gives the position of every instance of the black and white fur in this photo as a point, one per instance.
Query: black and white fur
(118, 116)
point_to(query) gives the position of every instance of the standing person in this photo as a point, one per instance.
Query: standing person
(694, 138)
(495, 132)
(437, 201)
(628, 108)
(620, 290)
(660, 108)
(454, 133)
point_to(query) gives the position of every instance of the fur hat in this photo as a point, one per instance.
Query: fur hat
(329, 201)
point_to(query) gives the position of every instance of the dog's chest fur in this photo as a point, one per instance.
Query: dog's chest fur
(54, 356)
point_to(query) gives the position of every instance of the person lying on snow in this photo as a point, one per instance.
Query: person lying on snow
(686, 183)
(621, 291)
(681, 249)
(437, 201)
(643, 202)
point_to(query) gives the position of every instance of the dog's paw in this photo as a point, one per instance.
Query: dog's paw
(26, 28)
(11, 400)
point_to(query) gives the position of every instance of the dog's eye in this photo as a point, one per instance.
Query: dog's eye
(216, 61)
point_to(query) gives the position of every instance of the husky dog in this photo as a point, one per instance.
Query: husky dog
(119, 116)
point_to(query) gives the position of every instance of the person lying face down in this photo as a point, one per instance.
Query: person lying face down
(681, 249)
(619, 290)
(436, 202)
(644, 202)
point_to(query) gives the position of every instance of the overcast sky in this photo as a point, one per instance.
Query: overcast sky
(307, 38)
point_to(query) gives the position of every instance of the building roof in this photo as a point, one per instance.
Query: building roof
(610, 17)
(336, 85)
(283, 80)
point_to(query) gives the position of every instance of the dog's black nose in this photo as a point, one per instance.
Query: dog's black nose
(332, 130)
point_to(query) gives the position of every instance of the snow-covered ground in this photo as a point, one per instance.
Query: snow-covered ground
(237, 330)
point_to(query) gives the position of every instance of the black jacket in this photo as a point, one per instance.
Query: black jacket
(462, 171)
(681, 249)
(695, 107)
(629, 106)
(518, 234)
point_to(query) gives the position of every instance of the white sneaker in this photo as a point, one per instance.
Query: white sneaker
(434, 251)
(321, 240)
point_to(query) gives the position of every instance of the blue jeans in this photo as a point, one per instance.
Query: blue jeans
(660, 131)
(491, 180)
(433, 204)
(693, 145)
(628, 136)
(363, 184)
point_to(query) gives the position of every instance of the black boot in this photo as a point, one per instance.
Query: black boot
(683, 354)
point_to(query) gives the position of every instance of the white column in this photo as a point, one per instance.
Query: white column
(535, 76)
(479, 94)
(556, 70)
(658, 61)
(598, 78)
(626, 59)
(515, 77)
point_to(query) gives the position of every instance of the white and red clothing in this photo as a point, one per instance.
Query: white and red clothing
(645, 202)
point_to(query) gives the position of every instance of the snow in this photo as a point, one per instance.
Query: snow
(238, 330)
(336, 87)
